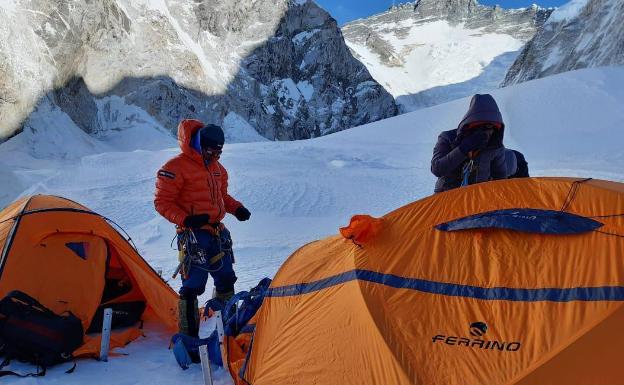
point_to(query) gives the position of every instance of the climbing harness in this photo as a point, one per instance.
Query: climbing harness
(191, 253)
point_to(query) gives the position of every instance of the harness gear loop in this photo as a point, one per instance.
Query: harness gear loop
(216, 258)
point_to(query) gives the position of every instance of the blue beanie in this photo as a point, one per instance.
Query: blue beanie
(211, 136)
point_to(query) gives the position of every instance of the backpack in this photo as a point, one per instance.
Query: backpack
(522, 170)
(235, 318)
(186, 349)
(29, 332)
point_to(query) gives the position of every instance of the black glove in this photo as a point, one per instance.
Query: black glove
(477, 141)
(196, 221)
(242, 214)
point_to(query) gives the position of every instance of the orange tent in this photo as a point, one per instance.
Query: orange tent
(71, 259)
(509, 282)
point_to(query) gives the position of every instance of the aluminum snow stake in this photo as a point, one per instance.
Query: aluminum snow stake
(221, 334)
(106, 330)
(205, 364)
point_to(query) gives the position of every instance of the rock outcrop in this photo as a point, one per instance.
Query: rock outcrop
(581, 34)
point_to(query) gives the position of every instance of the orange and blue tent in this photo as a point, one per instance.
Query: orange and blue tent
(508, 282)
(71, 259)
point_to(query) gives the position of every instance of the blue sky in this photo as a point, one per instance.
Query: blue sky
(347, 10)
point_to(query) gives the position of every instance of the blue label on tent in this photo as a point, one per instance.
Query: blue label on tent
(525, 220)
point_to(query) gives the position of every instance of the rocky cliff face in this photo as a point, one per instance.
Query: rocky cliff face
(430, 51)
(581, 34)
(280, 67)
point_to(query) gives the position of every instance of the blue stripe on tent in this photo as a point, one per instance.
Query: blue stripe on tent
(603, 293)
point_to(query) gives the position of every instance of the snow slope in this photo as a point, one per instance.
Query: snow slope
(568, 124)
(437, 54)
(429, 52)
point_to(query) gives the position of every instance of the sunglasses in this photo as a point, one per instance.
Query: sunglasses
(212, 152)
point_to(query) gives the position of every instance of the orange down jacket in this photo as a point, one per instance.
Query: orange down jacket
(185, 186)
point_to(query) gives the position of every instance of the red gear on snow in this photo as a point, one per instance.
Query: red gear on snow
(186, 186)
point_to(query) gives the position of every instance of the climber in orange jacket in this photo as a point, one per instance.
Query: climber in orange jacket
(191, 192)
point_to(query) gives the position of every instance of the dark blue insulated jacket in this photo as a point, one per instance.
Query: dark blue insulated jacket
(448, 161)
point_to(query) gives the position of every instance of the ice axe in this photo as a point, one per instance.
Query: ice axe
(177, 270)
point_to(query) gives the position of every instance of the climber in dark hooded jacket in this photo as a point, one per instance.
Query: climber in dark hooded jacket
(473, 152)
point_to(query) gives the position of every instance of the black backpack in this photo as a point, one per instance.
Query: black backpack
(29, 332)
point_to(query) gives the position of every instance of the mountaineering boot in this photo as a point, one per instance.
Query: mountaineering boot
(225, 296)
(218, 302)
(188, 320)
(188, 316)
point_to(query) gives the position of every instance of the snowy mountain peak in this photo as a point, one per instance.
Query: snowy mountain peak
(445, 7)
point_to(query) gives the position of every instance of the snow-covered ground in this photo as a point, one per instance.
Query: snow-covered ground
(568, 124)
(436, 62)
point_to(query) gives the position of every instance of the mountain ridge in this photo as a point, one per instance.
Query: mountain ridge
(581, 34)
(214, 59)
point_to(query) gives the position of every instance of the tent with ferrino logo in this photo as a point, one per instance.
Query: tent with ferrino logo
(70, 259)
(508, 282)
